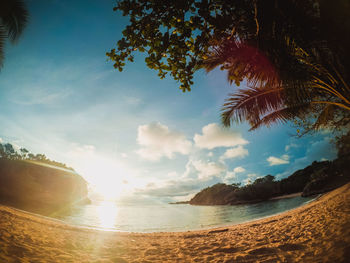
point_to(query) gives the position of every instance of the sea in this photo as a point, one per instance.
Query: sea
(112, 216)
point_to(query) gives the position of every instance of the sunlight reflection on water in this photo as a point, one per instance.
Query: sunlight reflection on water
(164, 217)
(107, 213)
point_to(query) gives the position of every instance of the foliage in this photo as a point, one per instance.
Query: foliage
(319, 100)
(261, 189)
(217, 194)
(293, 54)
(295, 73)
(13, 20)
(176, 35)
(343, 145)
(220, 194)
(7, 151)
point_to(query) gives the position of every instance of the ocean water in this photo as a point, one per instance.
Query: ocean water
(108, 215)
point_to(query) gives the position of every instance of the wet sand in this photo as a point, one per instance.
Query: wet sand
(316, 232)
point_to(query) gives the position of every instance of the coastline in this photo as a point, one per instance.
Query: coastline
(316, 232)
(286, 196)
(241, 202)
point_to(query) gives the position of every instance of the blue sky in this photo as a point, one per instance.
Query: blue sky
(130, 132)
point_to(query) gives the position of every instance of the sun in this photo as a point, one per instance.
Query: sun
(105, 176)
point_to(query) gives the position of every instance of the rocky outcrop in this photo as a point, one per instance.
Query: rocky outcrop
(218, 194)
(319, 177)
(38, 188)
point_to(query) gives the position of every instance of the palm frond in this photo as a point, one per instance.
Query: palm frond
(2, 45)
(250, 104)
(324, 117)
(241, 61)
(15, 18)
(280, 116)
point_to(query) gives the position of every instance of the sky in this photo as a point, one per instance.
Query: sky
(130, 134)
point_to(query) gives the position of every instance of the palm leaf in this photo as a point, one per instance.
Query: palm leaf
(250, 104)
(324, 116)
(241, 61)
(3, 36)
(280, 116)
(15, 18)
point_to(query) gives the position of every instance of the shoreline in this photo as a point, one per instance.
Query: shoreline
(209, 227)
(285, 196)
(315, 232)
(241, 202)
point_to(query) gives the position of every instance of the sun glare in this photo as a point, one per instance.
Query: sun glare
(106, 177)
(107, 213)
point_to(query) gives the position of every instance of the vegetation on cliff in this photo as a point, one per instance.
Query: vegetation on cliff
(316, 178)
(7, 151)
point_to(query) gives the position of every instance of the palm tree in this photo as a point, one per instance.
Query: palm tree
(270, 98)
(13, 19)
(291, 72)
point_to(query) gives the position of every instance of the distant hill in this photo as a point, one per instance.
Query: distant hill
(319, 177)
(39, 188)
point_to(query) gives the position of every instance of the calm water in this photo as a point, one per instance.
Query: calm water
(166, 217)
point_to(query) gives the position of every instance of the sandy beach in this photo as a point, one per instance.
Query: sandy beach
(316, 232)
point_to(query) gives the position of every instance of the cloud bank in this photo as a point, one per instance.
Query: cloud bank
(158, 141)
(214, 136)
(237, 152)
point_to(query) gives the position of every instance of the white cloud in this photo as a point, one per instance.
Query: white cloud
(210, 154)
(229, 176)
(124, 155)
(169, 188)
(214, 136)
(173, 175)
(250, 178)
(1, 140)
(208, 169)
(237, 152)
(289, 146)
(284, 159)
(239, 169)
(232, 175)
(158, 141)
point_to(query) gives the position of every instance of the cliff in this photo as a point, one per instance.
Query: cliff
(39, 188)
